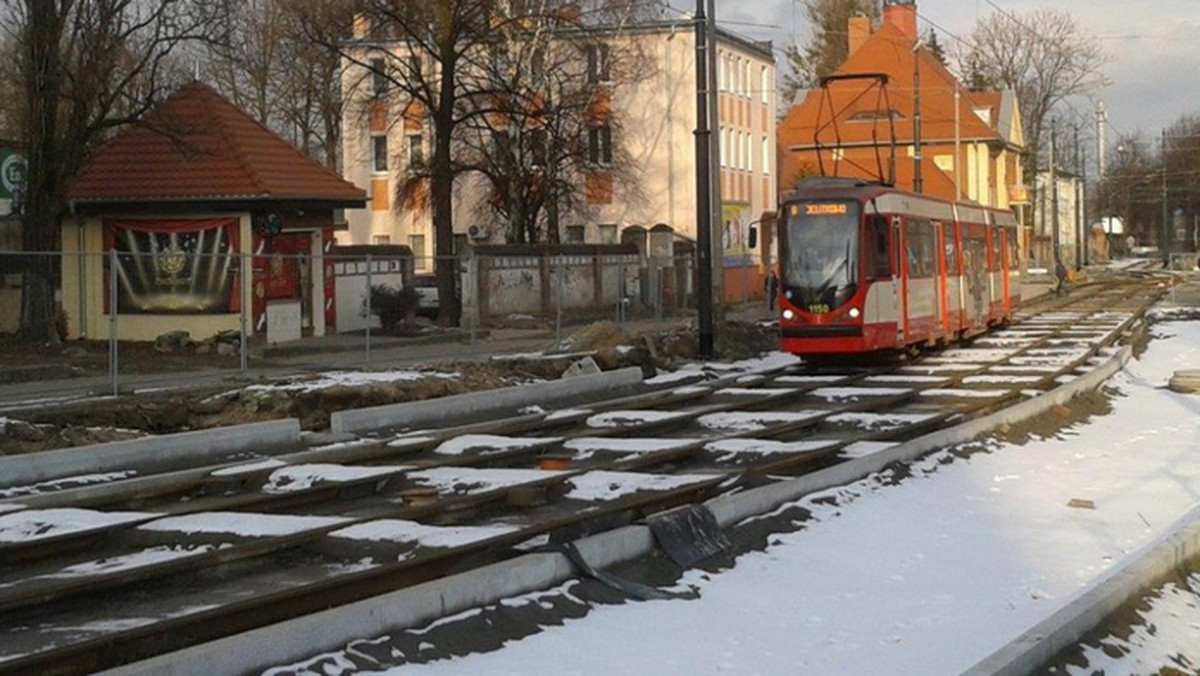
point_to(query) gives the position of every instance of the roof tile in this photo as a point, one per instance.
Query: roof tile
(198, 145)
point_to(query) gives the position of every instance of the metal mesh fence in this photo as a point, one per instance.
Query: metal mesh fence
(216, 313)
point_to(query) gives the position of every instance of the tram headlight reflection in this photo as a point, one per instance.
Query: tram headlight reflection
(788, 314)
(854, 313)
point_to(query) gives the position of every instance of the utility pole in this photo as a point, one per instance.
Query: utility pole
(1080, 243)
(1101, 140)
(704, 186)
(918, 183)
(1167, 226)
(1053, 192)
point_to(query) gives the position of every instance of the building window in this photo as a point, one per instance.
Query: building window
(417, 244)
(379, 81)
(764, 85)
(416, 150)
(379, 153)
(608, 233)
(597, 56)
(766, 155)
(575, 234)
(379, 240)
(600, 145)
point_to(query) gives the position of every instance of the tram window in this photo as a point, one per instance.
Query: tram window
(1013, 258)
(951, 250)
(920, 247)
(880, 264)
(997, 254)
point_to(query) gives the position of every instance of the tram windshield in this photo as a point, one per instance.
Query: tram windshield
(821, 270)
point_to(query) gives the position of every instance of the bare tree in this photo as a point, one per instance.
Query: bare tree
(554, 127)
(1131, 187)
(423, 50)
(828, 46)
(84, 68)
(1043, 56)
(263, 61)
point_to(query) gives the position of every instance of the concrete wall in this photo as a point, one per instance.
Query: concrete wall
(530, 280)
(351, 285)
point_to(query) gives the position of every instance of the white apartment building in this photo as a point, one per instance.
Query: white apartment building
(658, 118)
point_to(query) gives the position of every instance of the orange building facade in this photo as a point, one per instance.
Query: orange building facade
(863, 123)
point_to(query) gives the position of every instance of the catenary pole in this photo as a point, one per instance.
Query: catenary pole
(704, 186)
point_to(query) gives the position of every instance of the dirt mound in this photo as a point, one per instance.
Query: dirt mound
(599, 336)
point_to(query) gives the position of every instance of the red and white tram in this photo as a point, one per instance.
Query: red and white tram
(865, 268)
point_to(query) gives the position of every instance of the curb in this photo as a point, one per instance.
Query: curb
(363, 420)
(149, 454)
(289, 641)
(1151, 563)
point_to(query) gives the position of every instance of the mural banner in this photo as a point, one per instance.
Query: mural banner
(174, 266)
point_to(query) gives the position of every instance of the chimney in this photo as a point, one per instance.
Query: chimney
(903, 15)
(859, 30)
(362, 26)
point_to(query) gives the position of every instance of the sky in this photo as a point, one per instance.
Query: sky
(1149, 75)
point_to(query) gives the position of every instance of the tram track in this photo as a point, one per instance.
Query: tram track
(77, 602)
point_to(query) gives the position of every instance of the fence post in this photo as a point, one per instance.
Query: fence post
(658, 292)
(242, 348)
(368, 341)
(113, 351)
(558, 300)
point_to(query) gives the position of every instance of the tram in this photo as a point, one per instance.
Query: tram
(867, 268)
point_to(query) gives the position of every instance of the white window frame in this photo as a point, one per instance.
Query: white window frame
(379, 161)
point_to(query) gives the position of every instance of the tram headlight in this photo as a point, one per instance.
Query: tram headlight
(854, 313)
(788, 314)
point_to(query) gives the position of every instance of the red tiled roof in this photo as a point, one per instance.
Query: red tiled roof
(198, 146)
(887, 51)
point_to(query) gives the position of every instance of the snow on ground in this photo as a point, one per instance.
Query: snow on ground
(302, 477)
(348, 379)
(771, 361)
(123, 562)
(965, 394)
(922, 577)
(65, 483)
(470, 480)
(585, 447)
(754, 391)
(730, 448)
(601, 486)
(402, 530)
(38, 524)
(749, 421)
(853, 393)
(488, 443)
(627, 418)
(249, 468)
(879, 421)
(567, 413)
(246, 524)
(1165, 636)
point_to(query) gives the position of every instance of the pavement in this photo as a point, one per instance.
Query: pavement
(332, 352)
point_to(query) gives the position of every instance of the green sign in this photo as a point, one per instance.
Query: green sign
(12, 173)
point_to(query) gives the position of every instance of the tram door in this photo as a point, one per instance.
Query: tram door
(975, 272)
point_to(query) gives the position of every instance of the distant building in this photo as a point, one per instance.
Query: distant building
(1070, 197)
(658, 120)
(848, 130)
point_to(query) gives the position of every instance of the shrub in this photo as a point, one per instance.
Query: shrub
(393, 305)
